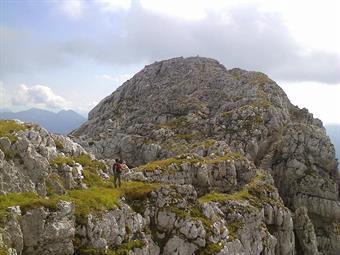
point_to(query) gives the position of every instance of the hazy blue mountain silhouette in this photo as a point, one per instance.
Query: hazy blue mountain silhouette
(62, 122)
(333, 130)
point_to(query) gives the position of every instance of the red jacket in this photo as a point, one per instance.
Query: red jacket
(117, 168)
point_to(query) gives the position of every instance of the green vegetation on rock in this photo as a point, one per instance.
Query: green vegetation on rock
(58, 144)
(176, 123)
(165, 163)
(90, 167)
(123, 249)
(61, 160)
(233, 227)
(255, 192)
(193, 213)
(9, 127)
(336, 228)
(3, 251)
(84, 159)
(205, 144)
(187, 158)
(95, 199)
(210, 249)
(259, 78)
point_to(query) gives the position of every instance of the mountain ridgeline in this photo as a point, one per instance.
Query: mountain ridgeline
(62, 122)
(222, 162)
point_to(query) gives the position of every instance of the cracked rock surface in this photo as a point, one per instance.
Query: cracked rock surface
(236, 169)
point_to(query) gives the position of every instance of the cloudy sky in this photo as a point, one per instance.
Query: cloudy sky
(72, 53)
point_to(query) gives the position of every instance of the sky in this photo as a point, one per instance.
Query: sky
(70, 54)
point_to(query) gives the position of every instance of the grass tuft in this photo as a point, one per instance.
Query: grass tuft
(125, 248)
(9, 127)
(210, 249)
(3, 251)
(95, 199)
(256, 192)
(58, 144)
(178, 160)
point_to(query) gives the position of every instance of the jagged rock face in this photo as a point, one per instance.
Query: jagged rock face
(185, 99)
(180, 105)
(40, 231)
(25, 164)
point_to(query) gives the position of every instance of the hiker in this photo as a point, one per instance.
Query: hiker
(117, 171)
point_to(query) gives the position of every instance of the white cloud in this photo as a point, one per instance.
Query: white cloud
(313, 23)
(113, 5)
(39, 96)
(73, 8)
(321, 100)
(117, 78)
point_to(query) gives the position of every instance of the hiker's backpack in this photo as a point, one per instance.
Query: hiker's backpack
(118, 167)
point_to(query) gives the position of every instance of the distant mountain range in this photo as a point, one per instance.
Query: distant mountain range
(62, 122)
(333, 130)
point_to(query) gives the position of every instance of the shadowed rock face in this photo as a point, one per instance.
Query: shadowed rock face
(186, 105)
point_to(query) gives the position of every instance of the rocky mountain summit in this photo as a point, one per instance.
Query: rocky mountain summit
(222, 162)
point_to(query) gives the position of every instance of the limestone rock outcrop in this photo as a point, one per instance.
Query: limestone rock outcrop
(222, 163)
(184, 105)
(36, 160)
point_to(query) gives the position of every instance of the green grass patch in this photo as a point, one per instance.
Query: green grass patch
(177, 123)
(99, 199)
(84, 159)
(226, 114)
(256, 192)
(9, 127)
(165, 163)
(222, 197)
(125, 248)
(185, 136)
(3, 251)
(262, 102)
(61, 160)
(90, 168)
(210, 249)
(178, 160)
(233, 227)
(336, 228)
(205, 144)
(26, 201)
(95, 199)
(58, 144)
(192, 213)
(259, 78)
(226, 157)
(138, 190)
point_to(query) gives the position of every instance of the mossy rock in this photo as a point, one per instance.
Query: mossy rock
(9, 127)
(259, 78)
(255, 192)
(58, 144)
(191, 159)
(95, 199)
(210, 249)
(3, 251)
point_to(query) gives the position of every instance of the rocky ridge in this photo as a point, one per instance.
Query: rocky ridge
(224, 164)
